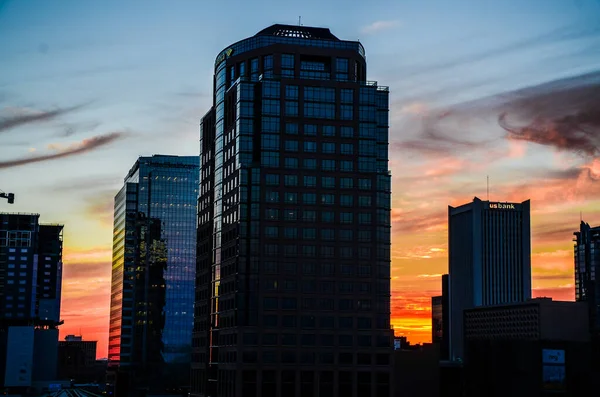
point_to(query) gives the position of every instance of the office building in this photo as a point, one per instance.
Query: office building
(440, 319)
(489, 259)
(77, 359)
(535, 348)
(153, 274)
(30, 293)
(293, 277)
(587, 266)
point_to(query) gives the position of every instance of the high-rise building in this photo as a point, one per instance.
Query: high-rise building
(30, 269)
(439, 319)
(153, 273)
(489, 259)
(587, 267)
(293, 276)
(30, 293)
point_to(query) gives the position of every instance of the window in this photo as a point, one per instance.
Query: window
(364, 218)
(347, 148)
(364, 236)
(328, 199)
(309, 216)
(310, 146)
(270, 142)
(346, 217)
(310, 129)
(327, 234)
(309, 233)
(319, 94)
(291, 108)
(291, 146)
(291, 128)
(309, 198)
(270, 320)
(291, 92)
(364, 201)
(271, 231)
(291, 180)
(346, 112)
(328, 165)
(309, 251)
(272, 180)
(327, 216)
(346, 183)
(347, 132)
(270, 159)
(320, 110)
(270, 303)
(364, 184)
(271, 107)
(346, 166)
(310, 181)
(328, 147)
(310, 164)
(287, 61)
(347, 96)
(290, 233)
(268, 62)
(341, 65)
(270, 89)
(291, 162)
(328, 182)
(292, 198)
(346, 200)
(328, 130)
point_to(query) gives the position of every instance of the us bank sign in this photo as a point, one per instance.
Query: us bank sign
(502, 206)
(225, 54)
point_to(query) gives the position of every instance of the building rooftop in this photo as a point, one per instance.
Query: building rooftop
(303, 32)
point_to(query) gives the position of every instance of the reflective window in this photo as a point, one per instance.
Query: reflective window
(310, 181)
(270, 159)
(270, 124)
(270, 142)
(319, 94)
(347, 132)
(310, 164)
(291, 92)
(271, 89)
(291, 180)
(346, 112)
(291, 108)
(291, 128)
(309, 198)
(328, 130)
(287, 61)
(328, 147)
(346, 200)
(272, 179)
(271, 107)
(328, 165)
(310, 129)
(291, 146)
(346, 95)
(291, 162)
(310, 146)
(346, 166)
(341, 65)
(328, 182)
(347, 148)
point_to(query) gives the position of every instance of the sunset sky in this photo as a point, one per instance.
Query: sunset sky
(508, 89)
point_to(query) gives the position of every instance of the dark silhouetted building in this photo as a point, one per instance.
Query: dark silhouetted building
(440, 318)
(153, 275)
(30, 293)
(77, 359)
(293, 276)
(587, 272)
(489, 259)
(535, 348)
(417, 371)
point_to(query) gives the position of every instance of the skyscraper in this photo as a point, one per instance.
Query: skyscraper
(587, 267)
(30, 293)
(489, 259)
(31, 268)
(439, 319)
(293, 276)
(153, 273)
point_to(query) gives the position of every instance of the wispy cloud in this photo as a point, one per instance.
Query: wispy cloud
(378, 26)
(84, 146)
(28, 116)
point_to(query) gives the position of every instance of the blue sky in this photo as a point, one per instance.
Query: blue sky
(144, 69)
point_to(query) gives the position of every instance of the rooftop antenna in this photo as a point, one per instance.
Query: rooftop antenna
(300, 21)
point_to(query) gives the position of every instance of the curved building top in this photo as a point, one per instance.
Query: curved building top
(289, 34)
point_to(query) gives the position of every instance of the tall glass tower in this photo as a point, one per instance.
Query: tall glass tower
(293, 274)
(153, 273)
(587, 266)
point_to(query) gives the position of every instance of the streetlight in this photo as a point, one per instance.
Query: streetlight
(9, 196)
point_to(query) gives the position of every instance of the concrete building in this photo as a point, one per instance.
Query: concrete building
(535, 348)
(293, 277)
(489, 246)
(77, 359)
(30, 294)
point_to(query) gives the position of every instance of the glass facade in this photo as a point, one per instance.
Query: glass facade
(153, 274)
(587, 266)
(293, 261)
